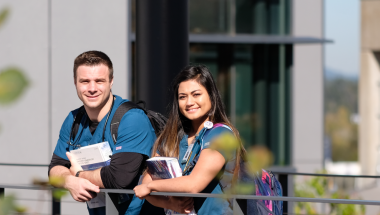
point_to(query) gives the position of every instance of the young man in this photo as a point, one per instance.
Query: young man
(93, 79)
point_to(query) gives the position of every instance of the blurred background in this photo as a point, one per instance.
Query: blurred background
(300, 77)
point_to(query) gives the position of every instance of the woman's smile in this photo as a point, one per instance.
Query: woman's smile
(192, 110)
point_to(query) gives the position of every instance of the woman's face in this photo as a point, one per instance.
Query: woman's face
(193, 100)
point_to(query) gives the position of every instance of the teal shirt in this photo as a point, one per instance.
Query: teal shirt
(213, 206)
(135, 134)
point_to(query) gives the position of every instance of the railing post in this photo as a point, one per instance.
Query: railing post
(2, 191)
(55, 205)
(110, 207)
(237, 210)
(284, 182)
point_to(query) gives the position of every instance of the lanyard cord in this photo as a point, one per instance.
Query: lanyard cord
(72, 128)
(109, 113)
(104, 128)
(196, 147)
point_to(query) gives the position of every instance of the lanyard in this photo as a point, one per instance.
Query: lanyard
(196, 148)
(104, 128)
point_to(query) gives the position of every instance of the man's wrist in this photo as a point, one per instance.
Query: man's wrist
(77, 174)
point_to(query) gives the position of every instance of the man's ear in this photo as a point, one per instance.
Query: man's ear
(111, 82)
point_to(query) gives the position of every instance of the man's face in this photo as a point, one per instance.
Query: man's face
(93, 85)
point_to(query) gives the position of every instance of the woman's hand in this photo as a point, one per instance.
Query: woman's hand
(181, 204)
(75, 167)
(141, 191)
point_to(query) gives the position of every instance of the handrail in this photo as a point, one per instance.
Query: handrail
(23, 164)
(325, 175)
(210, 195)
(274, 172)
(276, 198)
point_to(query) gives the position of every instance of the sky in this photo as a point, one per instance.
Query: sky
(342, 25)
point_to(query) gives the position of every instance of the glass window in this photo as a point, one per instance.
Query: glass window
(270, 17)
(254, 81)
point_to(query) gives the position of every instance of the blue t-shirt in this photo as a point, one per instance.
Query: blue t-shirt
(213, 206)
(135, 134)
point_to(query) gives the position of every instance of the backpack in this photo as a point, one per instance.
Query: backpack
(265, 182)
(157, 120)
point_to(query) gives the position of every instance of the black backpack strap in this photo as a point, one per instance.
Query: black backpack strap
(77, 120)
(121, 110)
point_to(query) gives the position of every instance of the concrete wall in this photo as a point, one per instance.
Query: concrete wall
(369, 96)
(369, 110)
(307, 105)
(43, 38)
(370, 32)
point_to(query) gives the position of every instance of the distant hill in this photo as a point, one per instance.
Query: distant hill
(340, 91)
(331, 74)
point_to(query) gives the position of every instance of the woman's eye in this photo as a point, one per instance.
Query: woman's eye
(197, 94)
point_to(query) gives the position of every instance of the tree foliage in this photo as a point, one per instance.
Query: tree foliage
(318, 187)
(343, 134)
(341, 103)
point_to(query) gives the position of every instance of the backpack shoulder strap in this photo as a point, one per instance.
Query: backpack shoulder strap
(121, 110)
(77, 120)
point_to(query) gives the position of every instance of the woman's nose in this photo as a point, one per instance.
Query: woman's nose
(190, 101)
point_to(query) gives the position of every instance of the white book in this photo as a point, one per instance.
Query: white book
(94, 157)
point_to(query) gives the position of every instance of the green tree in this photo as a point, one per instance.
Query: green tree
(13, 81)
(12, 84)
(317, 187)
(343, 134)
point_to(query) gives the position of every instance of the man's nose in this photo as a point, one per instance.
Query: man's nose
(92, 87)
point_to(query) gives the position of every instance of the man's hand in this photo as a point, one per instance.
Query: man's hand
(81, 190)
(181, 204)
(75, 167)
(141, 191)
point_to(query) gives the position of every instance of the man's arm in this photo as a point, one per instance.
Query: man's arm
(134, 142)
(122, 173)
(79, 188)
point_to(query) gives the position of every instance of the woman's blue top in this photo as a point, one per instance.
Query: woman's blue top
(211, 206)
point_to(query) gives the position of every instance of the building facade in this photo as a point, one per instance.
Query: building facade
(369, 103)
(267, 58)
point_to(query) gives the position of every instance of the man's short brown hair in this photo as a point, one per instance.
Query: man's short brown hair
(93, 58)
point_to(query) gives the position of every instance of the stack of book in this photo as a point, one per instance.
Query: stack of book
(165, 168)
(94, 157)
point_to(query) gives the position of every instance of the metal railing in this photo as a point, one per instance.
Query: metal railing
(284, 178)
(237, 210)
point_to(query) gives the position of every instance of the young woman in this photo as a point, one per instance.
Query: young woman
(196, 101)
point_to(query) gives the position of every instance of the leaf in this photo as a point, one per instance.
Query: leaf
(3, 15)
(12, 84)
(245, 188)
(59, 193)
(259, 157)
(226, 144)
(7, 205)
(56, 181)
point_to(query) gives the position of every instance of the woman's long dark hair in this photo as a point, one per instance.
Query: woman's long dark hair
(167, 144)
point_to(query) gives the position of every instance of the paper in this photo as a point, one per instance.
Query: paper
(94, 157)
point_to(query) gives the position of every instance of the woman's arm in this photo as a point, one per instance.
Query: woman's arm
(179, 204)
(208, 166)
